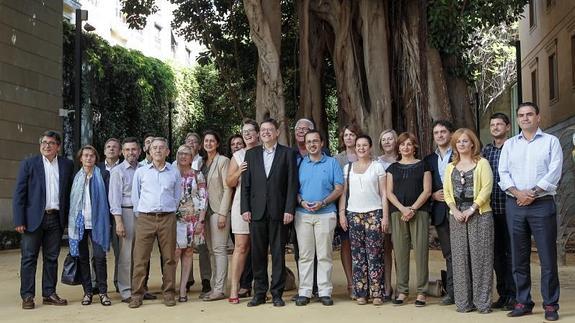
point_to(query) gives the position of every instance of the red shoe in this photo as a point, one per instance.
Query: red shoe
(234, 300)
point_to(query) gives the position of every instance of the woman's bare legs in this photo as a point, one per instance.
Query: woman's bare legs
(242, 246)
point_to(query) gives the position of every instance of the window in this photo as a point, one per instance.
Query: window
(553, 79)
(532, 14)
(158, 34)
(119, 14)
(534, 87)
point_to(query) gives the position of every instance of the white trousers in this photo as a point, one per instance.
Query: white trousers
(315, 237)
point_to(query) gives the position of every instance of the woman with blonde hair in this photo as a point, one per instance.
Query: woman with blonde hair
(467, 189)
(387, 143)
(191, 214)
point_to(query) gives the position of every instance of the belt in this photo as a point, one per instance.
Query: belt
(127, 207)
(541, 198)
(52, 211)
(156, 213)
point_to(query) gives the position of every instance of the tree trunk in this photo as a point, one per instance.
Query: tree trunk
(439, 107)
(375, 36)
(457, 89)
(264, 17)
(312, 47)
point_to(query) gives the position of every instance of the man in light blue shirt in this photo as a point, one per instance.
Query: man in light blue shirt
(321, 183)
(156, 193)
(529, 170)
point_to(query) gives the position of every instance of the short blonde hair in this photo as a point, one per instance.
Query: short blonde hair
(384, 132)
(475, 154)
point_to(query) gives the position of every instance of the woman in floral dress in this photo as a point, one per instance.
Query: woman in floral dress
(191, 213)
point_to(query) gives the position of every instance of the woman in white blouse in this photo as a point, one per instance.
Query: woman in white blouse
(363, 217)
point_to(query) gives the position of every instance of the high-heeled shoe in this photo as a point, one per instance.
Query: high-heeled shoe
(247, 293)
(234, 300)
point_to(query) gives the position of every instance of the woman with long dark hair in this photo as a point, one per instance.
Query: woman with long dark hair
(215, 170)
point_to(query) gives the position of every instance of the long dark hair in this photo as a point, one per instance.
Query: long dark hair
(229, 147)
(203, 152)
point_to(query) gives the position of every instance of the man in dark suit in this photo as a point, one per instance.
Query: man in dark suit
(269, 197)
(112, 149)
(437, 161)
(40, 208)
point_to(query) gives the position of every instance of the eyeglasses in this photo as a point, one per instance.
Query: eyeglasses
(266, 130)
(313, 142)
(248, 131)
(302, 129)
(48, 143)
(462, 175)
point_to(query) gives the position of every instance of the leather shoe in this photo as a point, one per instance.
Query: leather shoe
(326, 300)
(447, 300)
(54, 299)
(520, 310)
(551, 313)
(169, 300)
(127, 300)
(500, 303)
(135, 303)
(256, 301)
(213, 297)
(302, 301)
(149, 296)
(28, 303)
(278, 302)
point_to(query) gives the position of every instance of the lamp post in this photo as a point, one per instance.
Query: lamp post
(81, 15)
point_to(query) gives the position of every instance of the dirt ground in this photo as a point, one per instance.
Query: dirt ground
(197, 311)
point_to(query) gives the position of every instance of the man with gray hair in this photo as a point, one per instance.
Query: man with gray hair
(156, 192)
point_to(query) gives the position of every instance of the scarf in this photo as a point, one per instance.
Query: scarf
(100, 211)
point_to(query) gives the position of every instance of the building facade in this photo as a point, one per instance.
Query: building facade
(157, 39)
(30, 86)
(547, 36)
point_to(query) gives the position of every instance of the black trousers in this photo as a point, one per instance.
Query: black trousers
(84, 265)
(48, 237)
(502, 262)
(445, 243)
(266, 233)
(247, 277)
(540, 220)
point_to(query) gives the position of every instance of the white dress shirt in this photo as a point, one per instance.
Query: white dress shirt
(269, 158)
(52, 175)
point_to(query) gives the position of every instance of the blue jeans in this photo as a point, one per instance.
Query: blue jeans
(47, 236)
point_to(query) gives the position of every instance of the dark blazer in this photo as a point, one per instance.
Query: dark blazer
(29, 199)
(439, 210)
(278, 192)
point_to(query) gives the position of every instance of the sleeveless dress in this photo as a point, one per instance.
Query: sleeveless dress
(239, 226)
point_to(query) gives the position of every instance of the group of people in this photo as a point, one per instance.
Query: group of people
(484, 204)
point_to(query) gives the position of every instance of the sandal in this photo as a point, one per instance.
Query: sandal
(183, 299)
(87, 299)
(105, 300)
(377, 301)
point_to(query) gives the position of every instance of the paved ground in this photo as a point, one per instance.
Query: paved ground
(197, 311)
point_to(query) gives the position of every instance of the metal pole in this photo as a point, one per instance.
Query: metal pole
(519, 76)
(170, 108)
(78, 82)
(477, 114)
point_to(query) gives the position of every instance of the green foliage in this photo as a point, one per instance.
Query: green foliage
(453, 23)
(129, 92)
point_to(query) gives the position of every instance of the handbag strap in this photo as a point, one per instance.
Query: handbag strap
(349, 165)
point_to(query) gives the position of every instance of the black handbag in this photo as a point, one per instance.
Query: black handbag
(71, 272)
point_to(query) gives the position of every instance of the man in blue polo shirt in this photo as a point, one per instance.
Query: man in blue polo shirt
(321, 183)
